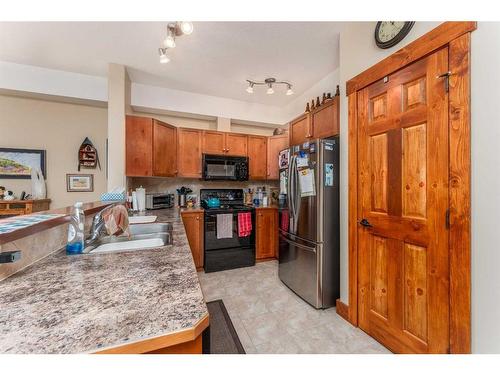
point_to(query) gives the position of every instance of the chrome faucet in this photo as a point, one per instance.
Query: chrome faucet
(97, 226)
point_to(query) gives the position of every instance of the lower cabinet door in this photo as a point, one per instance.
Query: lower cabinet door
(266, 241)
(193, 223)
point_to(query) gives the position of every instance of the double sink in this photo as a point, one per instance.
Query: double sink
(142, 237)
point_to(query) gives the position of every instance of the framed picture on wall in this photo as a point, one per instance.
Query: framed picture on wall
(79, 182)
(18, 162)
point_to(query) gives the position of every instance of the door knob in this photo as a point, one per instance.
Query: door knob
(365, 223)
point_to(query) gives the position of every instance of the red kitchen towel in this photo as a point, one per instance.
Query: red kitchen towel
(285, 220)
(244, 224)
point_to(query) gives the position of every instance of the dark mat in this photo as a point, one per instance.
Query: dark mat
(223, 336)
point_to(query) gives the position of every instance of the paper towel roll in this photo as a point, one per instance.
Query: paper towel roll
(141, 198)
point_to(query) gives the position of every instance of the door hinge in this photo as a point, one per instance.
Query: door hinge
(446, 77)
(447, 218)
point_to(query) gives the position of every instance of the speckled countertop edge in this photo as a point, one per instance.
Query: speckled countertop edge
(122, 298)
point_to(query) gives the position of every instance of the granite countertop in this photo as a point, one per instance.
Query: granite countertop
(90, 302)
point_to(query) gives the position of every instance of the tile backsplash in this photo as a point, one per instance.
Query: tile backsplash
(157, 185)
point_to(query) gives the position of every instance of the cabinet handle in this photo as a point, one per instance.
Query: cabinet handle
(197, 218)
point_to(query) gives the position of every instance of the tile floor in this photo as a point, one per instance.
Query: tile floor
(270, 318)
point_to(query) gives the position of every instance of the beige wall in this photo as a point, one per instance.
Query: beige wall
(59, 128)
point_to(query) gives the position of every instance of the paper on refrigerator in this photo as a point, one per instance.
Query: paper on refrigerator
(306, 182)
(283, 182)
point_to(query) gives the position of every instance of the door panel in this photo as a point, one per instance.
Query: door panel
(275, 144)
(214, 143)
(300, 130)
(236, 144)
(164, 149)
(189, 152)
(138, 146)
(257, 157)
(403, 274)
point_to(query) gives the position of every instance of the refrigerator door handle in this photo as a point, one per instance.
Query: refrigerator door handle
(297, 197)
(304, 247)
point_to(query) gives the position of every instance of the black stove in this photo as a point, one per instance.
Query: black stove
(227, 253)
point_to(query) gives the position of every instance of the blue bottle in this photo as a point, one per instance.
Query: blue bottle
(75, 230)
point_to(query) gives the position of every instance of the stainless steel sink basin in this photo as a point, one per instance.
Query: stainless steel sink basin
(142, 237)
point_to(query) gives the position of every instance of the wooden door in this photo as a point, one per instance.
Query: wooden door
(325, 120)
(300, 130)
(274, 145)
(236, 144)
(257, 157)
(189, 152)
(193, 224)
(403, 272)
(164, 149)
(266, 237)
(138, 146)
(214, 143)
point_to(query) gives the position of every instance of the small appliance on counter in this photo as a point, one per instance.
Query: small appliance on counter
(223, 167)
(182, 192)
(229, 230)
(155, 201)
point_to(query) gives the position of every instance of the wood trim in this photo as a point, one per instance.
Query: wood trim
(459, 195)
(457, 36)
(190, 347)
(342, 309)
(160, 342)
(434, 39)
(353, 206)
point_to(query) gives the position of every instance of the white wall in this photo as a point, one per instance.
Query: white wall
(485, 135)
(59, 128)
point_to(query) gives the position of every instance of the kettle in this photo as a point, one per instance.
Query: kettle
(212, 202)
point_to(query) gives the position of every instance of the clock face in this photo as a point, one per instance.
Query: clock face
(390, 33)
(389, 29)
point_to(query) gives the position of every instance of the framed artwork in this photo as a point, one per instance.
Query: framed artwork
(18, 162)
(79, 182)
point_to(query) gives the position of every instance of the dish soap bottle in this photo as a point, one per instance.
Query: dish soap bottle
(75, 230)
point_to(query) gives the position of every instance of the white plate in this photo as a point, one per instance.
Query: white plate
(141, 219)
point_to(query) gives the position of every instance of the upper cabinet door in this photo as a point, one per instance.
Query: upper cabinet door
(325, 120)
(164, 149)
(214, 143)
(257, 155)
(274, 145)
(138, 146)
(236, 144)
(300, 130)
(189, 152)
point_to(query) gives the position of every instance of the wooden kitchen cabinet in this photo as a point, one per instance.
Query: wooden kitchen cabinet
(214, 143)
(300, 130)
(266, 236)
(164, 149)
(222, 143)
(150, 147)
(193, 224)
(257, 157)
(236, 144)
(189, 149)
(275, 144)
(325, 119)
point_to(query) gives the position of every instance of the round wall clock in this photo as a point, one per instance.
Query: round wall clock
(390, 33)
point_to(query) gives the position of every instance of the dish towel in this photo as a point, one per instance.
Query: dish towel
(285, 220)
(244, 224)
(116, 220)
(224, 226)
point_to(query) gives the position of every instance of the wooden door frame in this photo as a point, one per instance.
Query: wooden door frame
(455, 35)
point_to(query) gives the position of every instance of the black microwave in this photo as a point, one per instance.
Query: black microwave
(222, 167)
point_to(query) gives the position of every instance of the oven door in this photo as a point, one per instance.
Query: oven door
(211, 240)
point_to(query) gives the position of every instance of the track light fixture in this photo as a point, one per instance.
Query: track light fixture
(269, 82)
(174, 30)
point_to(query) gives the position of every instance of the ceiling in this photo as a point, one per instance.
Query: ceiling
(215, 59)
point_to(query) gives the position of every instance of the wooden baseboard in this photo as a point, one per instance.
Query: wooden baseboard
(342, 309)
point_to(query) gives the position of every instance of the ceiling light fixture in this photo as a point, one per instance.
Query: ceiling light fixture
(269, 82)
(250, 87)
(163, 55)
(174, 30)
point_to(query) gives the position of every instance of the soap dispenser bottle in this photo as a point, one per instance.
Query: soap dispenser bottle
(76, 230)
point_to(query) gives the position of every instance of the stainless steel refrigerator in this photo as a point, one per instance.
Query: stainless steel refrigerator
(309, 247)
